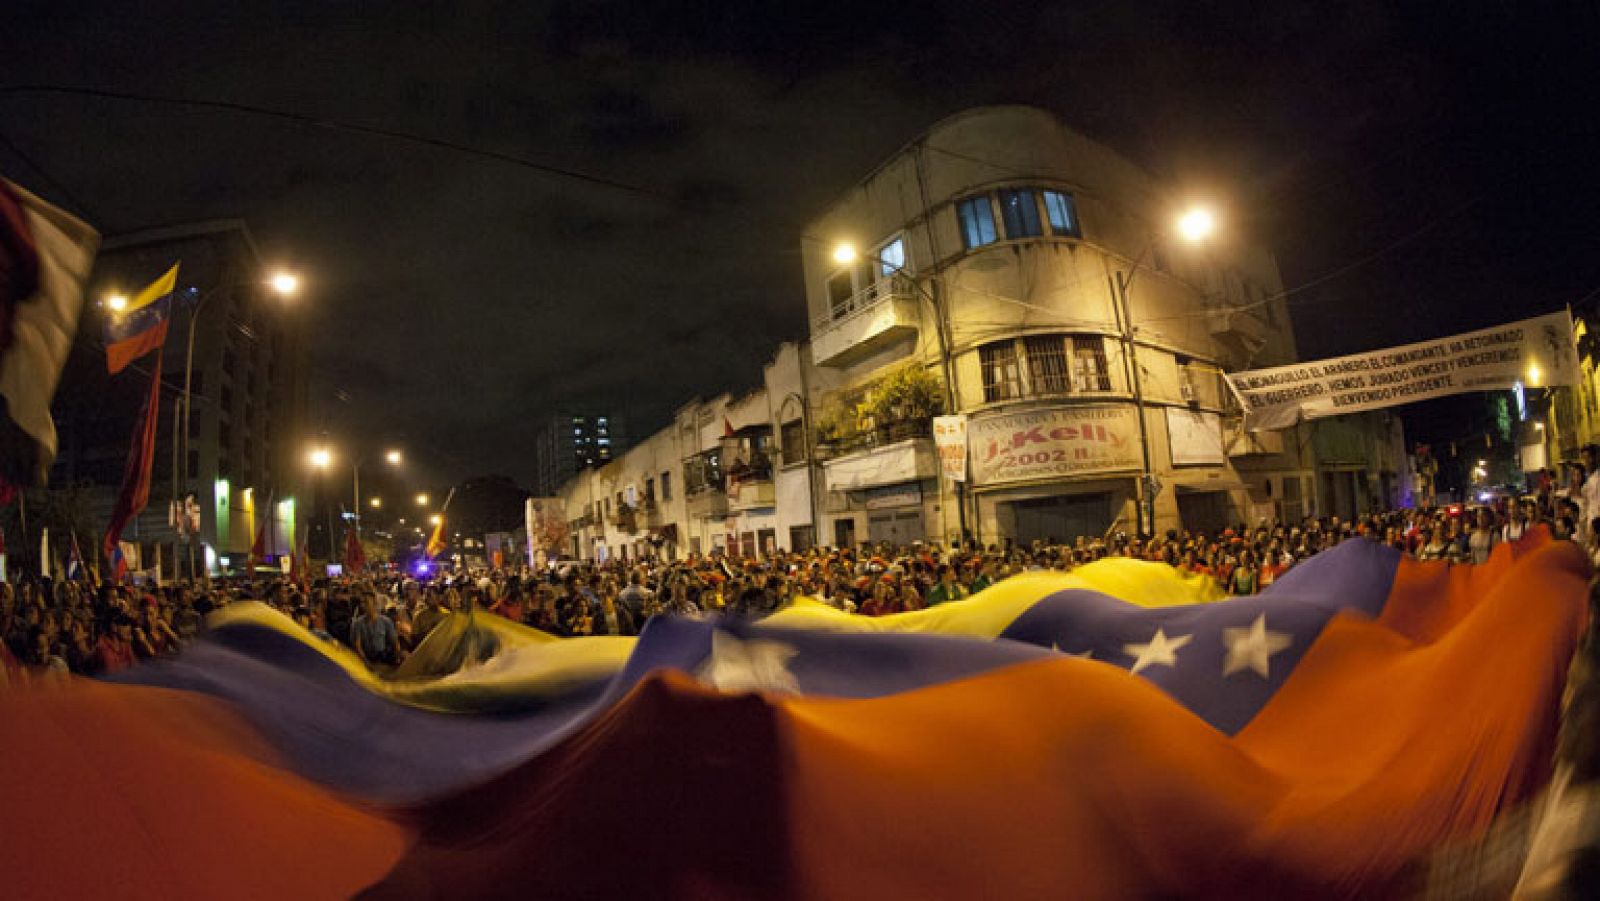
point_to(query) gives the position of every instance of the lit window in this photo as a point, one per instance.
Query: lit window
(892, 258)
(1089, 369)
(977, 222)
(602, 420)
(1061, 211)
(1020, 209)
(1002, 377)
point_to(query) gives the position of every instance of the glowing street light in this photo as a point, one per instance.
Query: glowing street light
(393, 457)
(376, 502)
(422, 500)
(1197, 224)
(117, 302)
(844, 254)
(285, 284)
(435, 519)
(1535, 375)
(321, 458)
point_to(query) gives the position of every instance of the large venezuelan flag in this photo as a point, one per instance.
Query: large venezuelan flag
(1320, 739)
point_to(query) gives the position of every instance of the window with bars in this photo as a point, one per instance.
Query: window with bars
(1047, 364)
(1002, 376)
(1089, 369)
(1044, 365)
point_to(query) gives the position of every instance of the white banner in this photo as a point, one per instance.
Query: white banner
(1043, 444)
(950, 437)
(1535, 352)
(1194, 437)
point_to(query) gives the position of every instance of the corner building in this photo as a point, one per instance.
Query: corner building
(988, 256)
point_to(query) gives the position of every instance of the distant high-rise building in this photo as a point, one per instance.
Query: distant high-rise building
(569, 442)
(249, 389)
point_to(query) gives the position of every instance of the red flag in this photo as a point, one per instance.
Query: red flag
(136, 477)
(258, 548)
(355, 559)
(727, 428)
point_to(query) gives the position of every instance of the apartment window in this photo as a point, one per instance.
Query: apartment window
(1089, 369)
(1062, 213)
(977, 222)
(1047, 364)
(1002, 377)
(666, 486)
(892, 258)
(793, 439)
(1020, 210)
(650, 489)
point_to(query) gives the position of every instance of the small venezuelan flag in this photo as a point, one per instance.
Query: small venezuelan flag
(142, 326)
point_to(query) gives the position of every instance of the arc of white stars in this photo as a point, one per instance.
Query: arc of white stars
(1252, 648)
(1159, 651)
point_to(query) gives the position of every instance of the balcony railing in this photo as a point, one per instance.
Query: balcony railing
(829, 449)
(876, 315)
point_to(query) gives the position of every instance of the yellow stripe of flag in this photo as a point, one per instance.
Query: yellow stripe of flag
(154, 291)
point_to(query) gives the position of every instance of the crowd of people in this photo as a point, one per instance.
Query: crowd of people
(49, 629)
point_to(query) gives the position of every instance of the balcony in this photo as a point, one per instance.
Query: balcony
(649, 515)
(877, 464)
(1242, 330)
(709, 502)
(1240, 443)
(751, 494)
(873, 318)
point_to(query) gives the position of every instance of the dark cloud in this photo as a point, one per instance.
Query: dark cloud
(455, 298)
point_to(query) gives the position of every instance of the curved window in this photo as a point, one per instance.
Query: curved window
(1044, 366)
(977, 222)
(1020, 210)
(1024, 213)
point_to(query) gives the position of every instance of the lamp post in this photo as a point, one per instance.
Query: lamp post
(284, 285)
(844, 255)
(1193, 226)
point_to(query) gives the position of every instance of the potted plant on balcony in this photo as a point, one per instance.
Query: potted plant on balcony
(905, 402)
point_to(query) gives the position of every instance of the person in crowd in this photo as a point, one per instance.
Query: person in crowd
(436, 610)
(1482, 538)
(947, 589)
(613, 618)
(373, 636)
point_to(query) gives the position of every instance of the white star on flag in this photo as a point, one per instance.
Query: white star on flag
(1085, 655)
(1161, 651)
(1252, 648)
(755, 665)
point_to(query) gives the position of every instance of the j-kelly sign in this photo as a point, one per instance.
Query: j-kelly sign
(1043, 444)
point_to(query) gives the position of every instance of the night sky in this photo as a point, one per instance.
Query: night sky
(1424, 170)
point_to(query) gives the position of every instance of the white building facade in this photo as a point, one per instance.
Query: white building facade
(1007, 269)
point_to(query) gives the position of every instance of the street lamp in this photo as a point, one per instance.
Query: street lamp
(845, 254)
(394, 457)
(422, 500)
(376, 502)
(435, 519)
(1194, 225)
(117, 302)
(283, 284)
